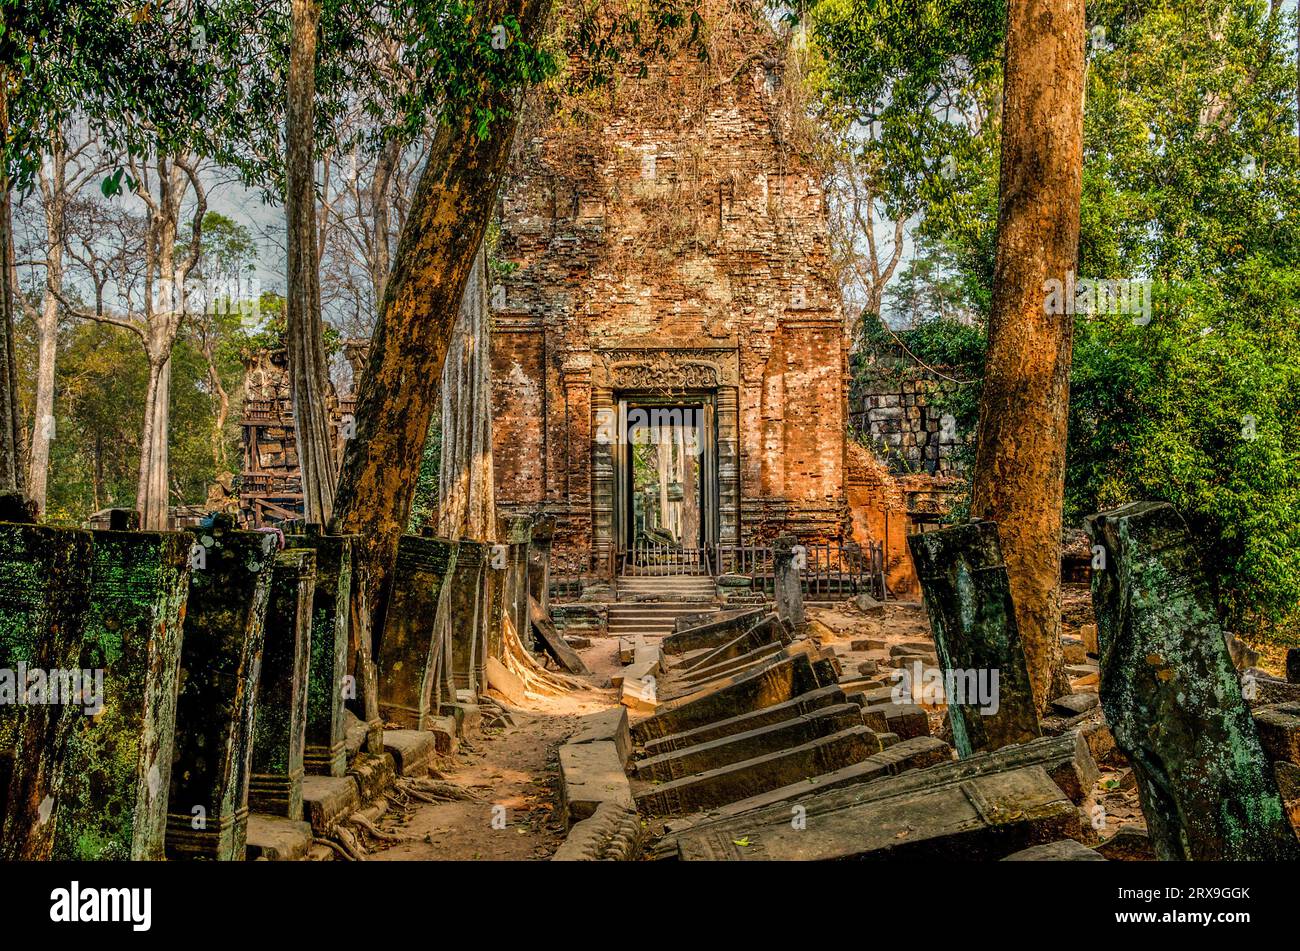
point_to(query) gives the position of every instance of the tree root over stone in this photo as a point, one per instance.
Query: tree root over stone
(538, 682)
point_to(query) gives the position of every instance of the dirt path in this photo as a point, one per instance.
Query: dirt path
(513, 771)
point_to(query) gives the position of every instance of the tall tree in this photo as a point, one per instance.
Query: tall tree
(466, 494)
(1020, 455)
(11, 472)
(448, 219)
(305, 332)
(66, 167)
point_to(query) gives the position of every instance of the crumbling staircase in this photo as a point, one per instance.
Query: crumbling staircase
(648, 606)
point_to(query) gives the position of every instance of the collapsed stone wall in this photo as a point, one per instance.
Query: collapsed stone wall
(892, 408)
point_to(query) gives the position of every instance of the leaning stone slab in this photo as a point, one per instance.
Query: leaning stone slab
(978, 819)
(746, 692)
(44, 590)
(714, 633)
(327, 668)
(968, 597)
(409, 651)
(1173, 700)
(121, 758)
(909, 754)
(767, 632)
(1066, 850)
(742, 746)
(551, 640)
(225, 617)
(803, 704)
(769, 771)
(1066, 759)
(280, 726)
(613, 833)
(684, 622)
(725, 668)
(591, 774)
(606, 726)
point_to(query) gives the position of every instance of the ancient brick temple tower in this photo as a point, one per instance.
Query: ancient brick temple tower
(670, 251)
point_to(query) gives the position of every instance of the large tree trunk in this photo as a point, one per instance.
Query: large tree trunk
(54, 188)
(1020, 462)
(449, 215)
(11, 472)
(466, 495)
(151, 494)
(305, 334)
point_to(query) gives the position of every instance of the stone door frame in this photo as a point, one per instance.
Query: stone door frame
(645, 370)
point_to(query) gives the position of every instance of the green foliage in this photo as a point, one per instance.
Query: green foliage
(1191, 181)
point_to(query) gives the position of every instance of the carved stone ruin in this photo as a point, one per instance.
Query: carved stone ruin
(1172, 697)
(207, 813)
(968, 597)
(410, 649)
(279, 728)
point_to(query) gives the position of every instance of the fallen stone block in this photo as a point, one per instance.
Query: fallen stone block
(591, 774)
(684, 622)
(1072, 650)
(906, 719)
(1279, 731)
(713, 634)
(968, 598)
(770, 771)
(1128, 844)
(446, 738)
(1088, 634)
(742, 746)
(1066, 850)
(803, 704)
(606, 726)
(328, 799)
(412, 751)
(981, 818)
(908, 754)
(1172, 697)
(613, 833)
(277, 838)
(867, 604)
(1066, 759)
(735, 695)
(1075, 704)
(626, 650)
(869, 644)
(640, 694)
